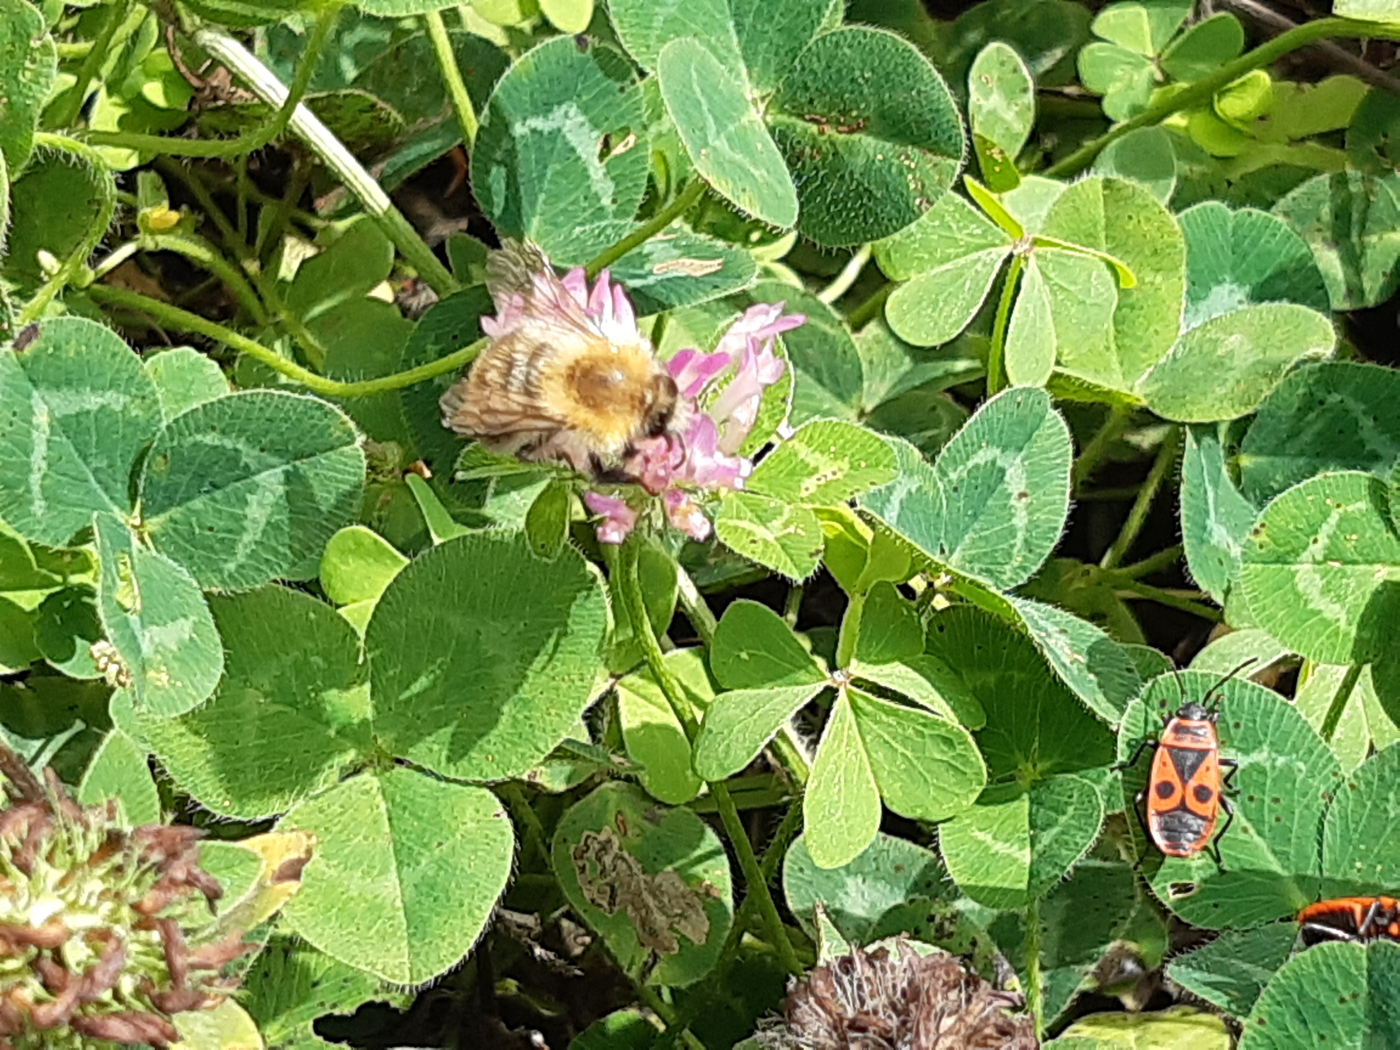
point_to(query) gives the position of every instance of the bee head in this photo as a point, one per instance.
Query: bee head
(660, 403)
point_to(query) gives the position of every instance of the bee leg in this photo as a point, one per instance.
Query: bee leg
(614, 476)
(599, 471)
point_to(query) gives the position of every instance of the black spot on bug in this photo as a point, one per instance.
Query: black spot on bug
(1164, 790)
(1203, 794)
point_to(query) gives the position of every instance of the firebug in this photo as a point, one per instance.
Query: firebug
(1351, 919)
(1185, 788)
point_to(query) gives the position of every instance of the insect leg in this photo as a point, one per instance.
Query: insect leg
(1136, 755)
(1322, 929)
(1231, 767)
(1215, 839)
(1364, 930)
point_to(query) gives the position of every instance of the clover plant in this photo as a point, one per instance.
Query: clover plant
(1037, 373)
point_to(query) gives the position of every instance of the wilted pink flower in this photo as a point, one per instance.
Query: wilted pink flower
(701, 450)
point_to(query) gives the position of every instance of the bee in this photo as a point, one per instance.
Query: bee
(559, 383)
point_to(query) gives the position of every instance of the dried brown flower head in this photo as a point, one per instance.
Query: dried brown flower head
(893, 998)
(106, 932)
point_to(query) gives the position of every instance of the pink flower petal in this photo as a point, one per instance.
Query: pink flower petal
(618, 518)
(600, 300)
(575, 282)
(705, 462)
(686, 516)
(692, 370)
(623, 314)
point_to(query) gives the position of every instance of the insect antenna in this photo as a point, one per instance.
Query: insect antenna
(1205, 700)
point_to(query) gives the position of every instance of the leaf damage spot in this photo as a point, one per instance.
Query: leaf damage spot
(688, 267)
(658, 906)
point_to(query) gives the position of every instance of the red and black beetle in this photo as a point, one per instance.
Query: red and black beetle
(1358, 919)
(1185, 789)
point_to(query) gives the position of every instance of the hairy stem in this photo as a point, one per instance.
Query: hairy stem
(643, 233)
(1035, 994)
(863, 313)
(452, 76)
(1162, 597)
(1201, 92)
(1338, 706)
(1152, 564)
(628, 582)
(1137, 515)
(184, 321)
(696, 609)
(996, 357)
(526, 817)
(201, 252)
(1098, 446)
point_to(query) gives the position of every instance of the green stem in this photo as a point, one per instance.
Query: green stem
(1201, 92)
(697, 611)
(1338, 707)
(754, 877)
(643, 233)
(235, 242)
(793, 605)
(996, 357)
(863, 313)
(92, 61)
(202, 252)
(106, 208)
(1035, 995)
(308, 127)
(1098, 446)
(788, 750)
(249, 141)
(842, 282)
(1137, 514)
(184, 321)
(1122, 494)
(1163, 597)
(651, 998)
(629, 583)
(765, 798)
(452, 75)
(1155, 563)
(850, 630)
(527, 818)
